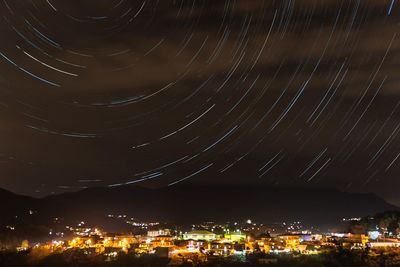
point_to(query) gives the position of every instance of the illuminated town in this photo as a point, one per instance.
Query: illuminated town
(233, 242)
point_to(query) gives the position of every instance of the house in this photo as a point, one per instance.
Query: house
(162, 241)
(159, 232)
(290, 241)
(200, 235)
(235, 237)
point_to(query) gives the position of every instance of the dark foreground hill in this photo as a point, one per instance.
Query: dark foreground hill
(318, 207)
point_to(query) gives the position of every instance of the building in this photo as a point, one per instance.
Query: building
(355, 241)
(290, 241)
(162, 241)
(384, 244)
(196, 245)
(159, 232)
(264, 242)
(200, 235)
(221, 248)
(235, 237)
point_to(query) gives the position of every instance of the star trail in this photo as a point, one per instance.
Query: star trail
(160, 93)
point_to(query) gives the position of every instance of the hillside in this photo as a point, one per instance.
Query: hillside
(196, 204)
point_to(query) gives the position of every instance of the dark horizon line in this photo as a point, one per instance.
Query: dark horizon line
(213, 186)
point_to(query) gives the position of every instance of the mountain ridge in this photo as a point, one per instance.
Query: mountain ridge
(191, 204)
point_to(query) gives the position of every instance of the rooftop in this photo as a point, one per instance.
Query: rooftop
(200, 232)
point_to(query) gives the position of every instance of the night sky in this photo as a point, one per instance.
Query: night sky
(166, 92)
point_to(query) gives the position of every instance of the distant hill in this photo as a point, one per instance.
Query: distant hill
(187, 204)
(13, 205)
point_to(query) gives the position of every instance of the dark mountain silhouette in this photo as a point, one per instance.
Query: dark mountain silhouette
(13, 205)
(187, 204)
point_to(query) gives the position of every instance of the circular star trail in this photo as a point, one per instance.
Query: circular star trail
(162, 93)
